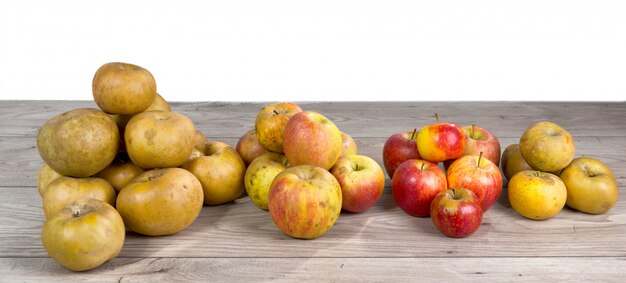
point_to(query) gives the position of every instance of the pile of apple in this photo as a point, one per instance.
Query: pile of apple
(456, 199)
(132, 164)
(304, 170)
(544, 176)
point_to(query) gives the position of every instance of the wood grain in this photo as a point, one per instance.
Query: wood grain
(239, 242)
(304, 269)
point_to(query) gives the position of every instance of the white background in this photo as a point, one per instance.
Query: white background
(320, 50)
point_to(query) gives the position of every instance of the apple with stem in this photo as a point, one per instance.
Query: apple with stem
(398, 148)
(441, 141)
(456, 213)
(414, 185)
(477, 174)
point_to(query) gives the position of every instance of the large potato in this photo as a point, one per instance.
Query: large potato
(78, 143)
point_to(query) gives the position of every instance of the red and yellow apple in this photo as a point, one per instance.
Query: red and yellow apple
(348, 145)
(249, 147)
(398, 148)
(441, 141)
(311, 138)
(456, 213)
(362, 182)
(270, 124)
(479, 140)
(414, 185)
(304, 201)
(479, 175)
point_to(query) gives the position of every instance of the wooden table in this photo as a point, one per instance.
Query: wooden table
(239, 242)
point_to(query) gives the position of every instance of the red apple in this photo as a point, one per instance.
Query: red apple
(456, 212)
(477, 174)
(304, 201)
(414, 185)
(398, 148)
(441, 141)
(362, 182)
(249, 147)
(310, 138)
(481, 140)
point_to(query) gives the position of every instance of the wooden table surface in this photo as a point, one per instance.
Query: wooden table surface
(239, 242)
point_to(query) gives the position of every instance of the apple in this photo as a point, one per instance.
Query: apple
(537, 195)
(260, 174)
(479, 175)
(160, 201)
(311, 138)
(66, 190)
(513, 161)
(547, 147)
(84, 234)
(398, 148)
(158, 104)
(122, 88)
(45, 177)
(304, 201)
(441, 141)
(414, 185)
(591, 185)
(270, 124)
(221, 172)
(456, 213)
(120, 172)
(78, 143)
(362, 182)
(479, 140)
(159, 139)
(348, 145)
(249, 147)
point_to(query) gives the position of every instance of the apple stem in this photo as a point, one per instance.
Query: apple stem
(479, 159)
(357, 167)
(422, 168)
(413, 134)
(275, 112)
(437, 117)
(537, 173)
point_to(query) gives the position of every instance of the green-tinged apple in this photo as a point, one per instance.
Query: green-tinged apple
(348, 145)
(270, 124)
(45, 177)
(362, 182)
(249, 147)
(159, 139)
(591, 185)
(441, 141)
(479, 175)
(120, 172)
(311, 138)
(160, 201)
(260, 175)
(78, 143)
(122, 88)
(84, 234)
(537, 195)
(513, 161)
(66, 190)
(304, 201)
(547, 147)
(414, 185)
(221, 172)
(456, 212)
(398, 148)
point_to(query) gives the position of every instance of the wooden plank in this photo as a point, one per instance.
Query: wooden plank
(558, 269)
(240, 229)
(20, 161)
(360, 119)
